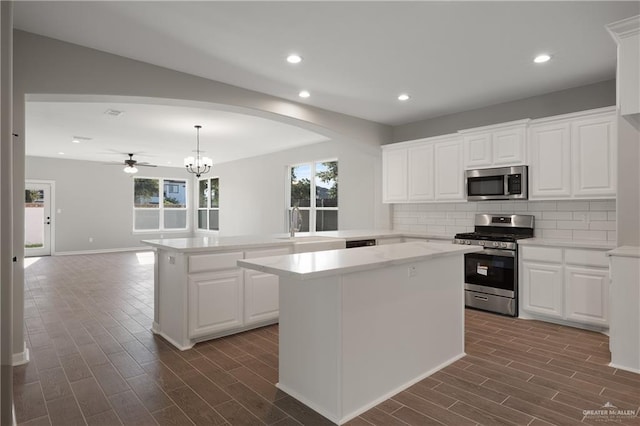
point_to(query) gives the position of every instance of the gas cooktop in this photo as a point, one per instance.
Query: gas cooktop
(498, 231)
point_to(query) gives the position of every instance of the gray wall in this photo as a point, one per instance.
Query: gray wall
(565, 101)
(6, 221)
(628, 200)
(43, 65)
(252, 191)
(96, 201)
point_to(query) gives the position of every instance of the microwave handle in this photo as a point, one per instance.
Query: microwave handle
(505, 181)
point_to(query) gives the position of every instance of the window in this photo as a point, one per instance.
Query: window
(209, 204)
(155, 210)
(319, 212)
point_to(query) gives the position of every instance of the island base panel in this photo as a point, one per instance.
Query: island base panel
(348, 342)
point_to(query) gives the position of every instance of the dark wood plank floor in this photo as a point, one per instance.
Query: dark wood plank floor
(94, 361)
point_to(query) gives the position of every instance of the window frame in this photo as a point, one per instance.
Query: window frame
(312, 209)
(208, 208)
(161, 208)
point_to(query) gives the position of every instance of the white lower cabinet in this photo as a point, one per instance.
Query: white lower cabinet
(261, 299)
(224, 298)
(587, 294)
(542, 291)
(565, 284)
(215, 302)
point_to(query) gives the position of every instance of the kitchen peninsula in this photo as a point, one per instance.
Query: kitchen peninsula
(357, 326)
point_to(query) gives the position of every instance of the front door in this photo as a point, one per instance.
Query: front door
(37, 219)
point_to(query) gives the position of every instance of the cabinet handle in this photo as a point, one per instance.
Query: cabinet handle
(485, 298)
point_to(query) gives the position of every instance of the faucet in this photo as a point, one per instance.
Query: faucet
(295, 219)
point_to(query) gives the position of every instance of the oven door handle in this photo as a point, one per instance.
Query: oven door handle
(498, 252)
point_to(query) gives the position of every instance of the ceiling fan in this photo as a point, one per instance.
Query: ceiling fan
(131, 165)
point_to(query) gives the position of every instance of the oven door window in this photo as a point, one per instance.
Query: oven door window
(488, 185)
(490, 270)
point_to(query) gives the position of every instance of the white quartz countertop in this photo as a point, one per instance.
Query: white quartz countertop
(592, 244)
(213, 243)
(337, 262)
(196, 244)
(625, 251)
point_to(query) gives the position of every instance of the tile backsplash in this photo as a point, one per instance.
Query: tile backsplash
(567, 220)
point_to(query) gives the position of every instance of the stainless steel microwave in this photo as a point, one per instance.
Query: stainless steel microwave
(504, 183)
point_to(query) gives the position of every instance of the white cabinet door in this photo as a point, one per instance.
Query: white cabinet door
(587, 295)
(449, 170)
(477, 150)
(421, 179)
(261, 297)
(550, 160)
(215, 302)
(509, 147)
(394, 175)
(593, 146)
(542, 289)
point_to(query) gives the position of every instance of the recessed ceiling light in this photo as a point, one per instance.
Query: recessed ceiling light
(403, 97)
(304, 94)
(540, 59)
(61, 153)
(294, 58)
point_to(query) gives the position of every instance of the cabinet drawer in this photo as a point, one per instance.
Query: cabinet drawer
(594, 258)
(268, 252)
(542, 254)
(213, 262)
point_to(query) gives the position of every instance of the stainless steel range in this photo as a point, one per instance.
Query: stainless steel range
(491, 276)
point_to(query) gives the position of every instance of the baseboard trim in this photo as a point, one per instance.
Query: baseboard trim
(20, 358)
(102, 251)
(341, 418)
(625, 368)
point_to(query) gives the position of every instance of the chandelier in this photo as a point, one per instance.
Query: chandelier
(198, 165)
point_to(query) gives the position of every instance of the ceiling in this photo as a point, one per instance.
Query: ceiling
(357, 56)
(156, 133)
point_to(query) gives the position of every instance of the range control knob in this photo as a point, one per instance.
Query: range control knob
(467, 242)
(481, 243)
(503, 244)
(495, 244)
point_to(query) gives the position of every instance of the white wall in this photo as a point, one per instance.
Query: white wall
(94, 200)
(252, 191)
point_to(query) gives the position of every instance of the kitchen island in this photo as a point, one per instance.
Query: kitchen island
(357, 326)
(200, 293)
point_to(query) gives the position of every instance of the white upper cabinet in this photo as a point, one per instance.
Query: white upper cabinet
(394, 175)
(593, 159)
(550, 165)
(573, 156)
(423, 171)
(477, 150)
(495, 146)
(449, 170)
(420, 177)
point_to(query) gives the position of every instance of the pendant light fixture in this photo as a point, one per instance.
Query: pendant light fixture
(198, 165)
